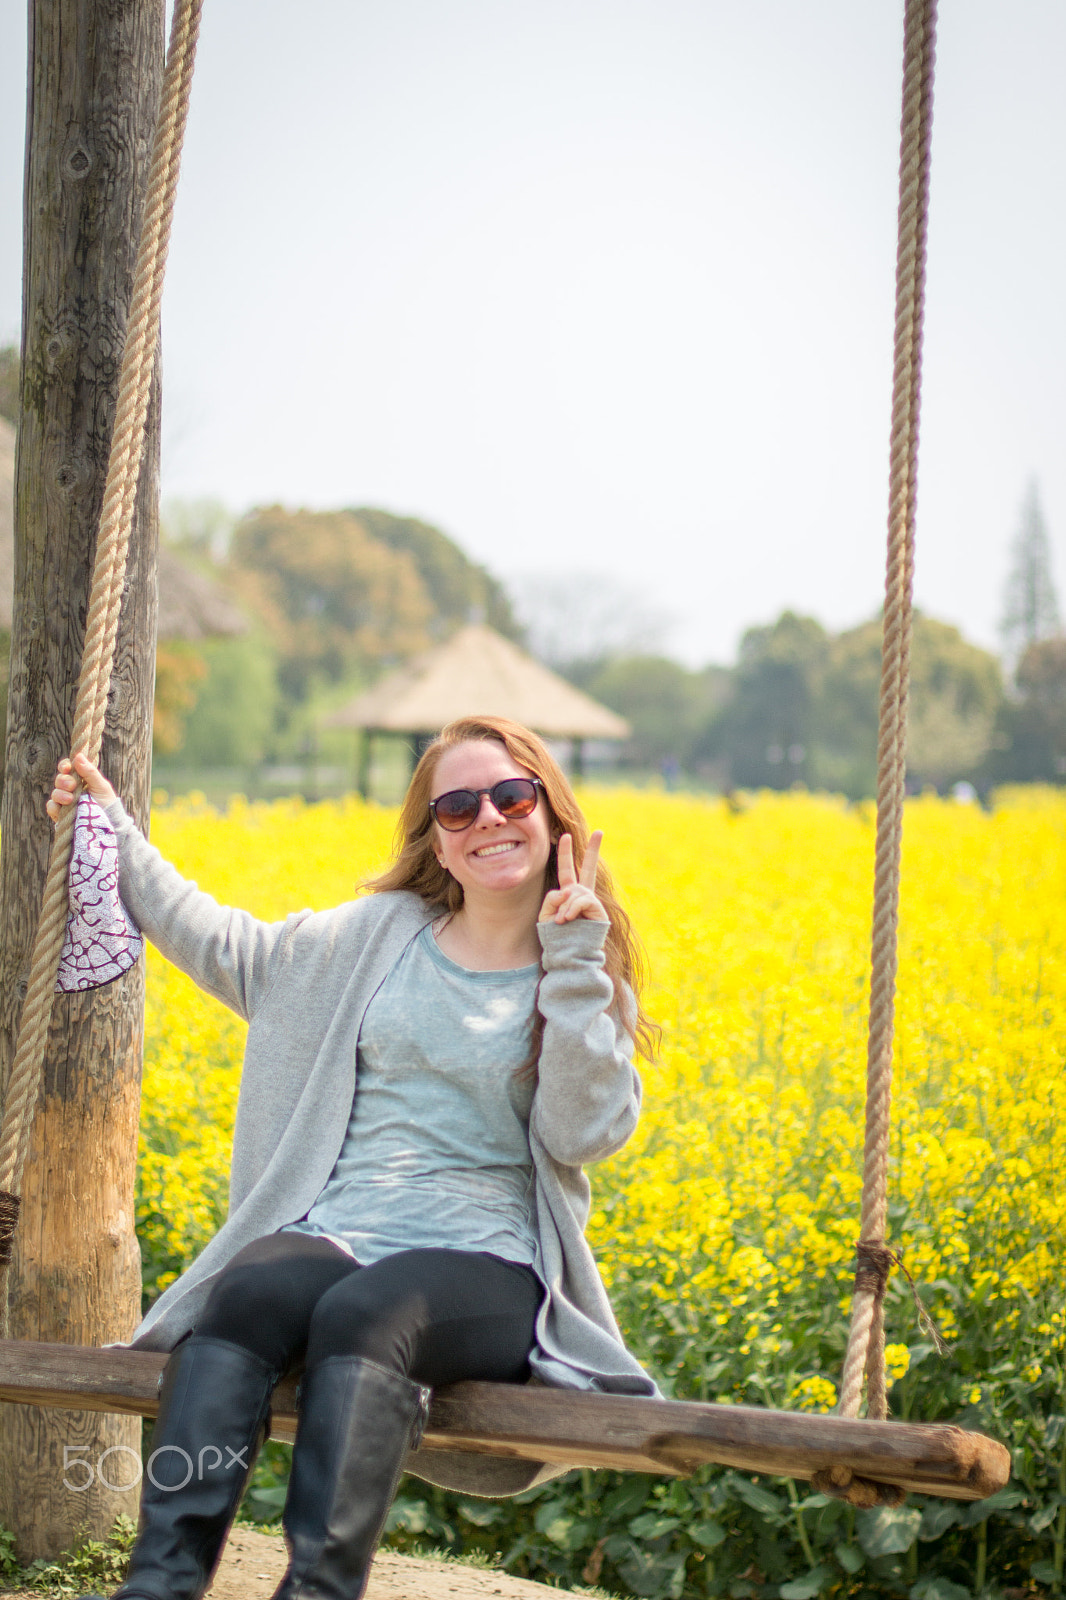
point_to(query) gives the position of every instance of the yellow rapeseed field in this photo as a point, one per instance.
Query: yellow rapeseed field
(741, 1188)
(726, 1228)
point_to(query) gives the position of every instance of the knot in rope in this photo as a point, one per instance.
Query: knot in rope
(9, 1217)
(875, 1262)
(840, 1483)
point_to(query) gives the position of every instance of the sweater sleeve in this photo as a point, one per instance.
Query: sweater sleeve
(229, 953)
(588, 1092)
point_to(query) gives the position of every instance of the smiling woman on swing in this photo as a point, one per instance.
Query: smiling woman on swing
(427, 1069)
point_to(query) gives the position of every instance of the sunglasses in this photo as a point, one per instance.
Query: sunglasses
(459, 808)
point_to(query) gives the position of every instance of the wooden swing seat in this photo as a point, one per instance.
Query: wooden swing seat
(575, 1428)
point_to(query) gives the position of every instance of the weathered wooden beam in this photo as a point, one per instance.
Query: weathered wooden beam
(580, 1429)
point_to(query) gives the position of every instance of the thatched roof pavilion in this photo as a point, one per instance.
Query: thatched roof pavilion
(476, 672)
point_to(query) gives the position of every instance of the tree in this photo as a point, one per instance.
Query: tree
(664, 703)
(803, 706)
(232, 721)
(768, 725)
(955, 693)
(1031, 747)
(460, 589)
(1030, 605)
(336, 601)
(9, 382)
(94, 79)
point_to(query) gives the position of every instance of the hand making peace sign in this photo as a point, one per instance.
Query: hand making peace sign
(576, 894)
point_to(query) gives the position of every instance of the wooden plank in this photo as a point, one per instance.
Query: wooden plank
(580, 1429)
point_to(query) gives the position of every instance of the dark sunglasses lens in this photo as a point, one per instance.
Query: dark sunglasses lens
(457, 809)
(514, 797)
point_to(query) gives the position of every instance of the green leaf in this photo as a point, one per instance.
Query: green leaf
(759, 1499)
(652, 1526)
(652, 1575)
(938, 1517)
(805, 1588)
(1043, 1518)
(1043, 1571)
(481, 1513)
(556, 1529)
(888, 1531)
(939, 1589)
(708, 1535)
(981, 1510)
(410, 1516)
(629, 1499)
(1054, 1423)
(850, 1556)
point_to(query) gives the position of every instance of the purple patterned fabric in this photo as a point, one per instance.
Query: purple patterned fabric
(101, 943)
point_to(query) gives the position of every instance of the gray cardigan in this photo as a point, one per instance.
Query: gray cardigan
(303, 985)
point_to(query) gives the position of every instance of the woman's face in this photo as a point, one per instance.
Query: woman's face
(495, 854)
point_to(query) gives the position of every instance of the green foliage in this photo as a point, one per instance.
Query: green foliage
(803, 708)
(768, 726)
(1030, 604)
(232, 722)
(337, 597)
(9, 382)
(955, 693)
(724, 1533)
(93, 1565)
(665, 705)
(333, 598)
(198, 528)
(1031, 743)
(460, 589)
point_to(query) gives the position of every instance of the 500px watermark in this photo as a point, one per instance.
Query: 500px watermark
(103, 1471)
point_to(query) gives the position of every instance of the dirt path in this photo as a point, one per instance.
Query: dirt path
(253, 1564)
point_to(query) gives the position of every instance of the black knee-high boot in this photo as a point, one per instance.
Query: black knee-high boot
(212, 1409)
(357, 1422)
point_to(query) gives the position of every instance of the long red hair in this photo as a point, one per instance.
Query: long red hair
(417, 870)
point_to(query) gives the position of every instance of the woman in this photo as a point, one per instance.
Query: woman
(427, 1227)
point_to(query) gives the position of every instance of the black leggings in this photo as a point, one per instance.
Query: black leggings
(433, 1315)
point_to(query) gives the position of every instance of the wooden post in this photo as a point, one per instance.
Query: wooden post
(95, 72)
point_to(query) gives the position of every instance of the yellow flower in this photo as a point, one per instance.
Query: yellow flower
(738, 1198)
(897, 1361)
(813, 1394)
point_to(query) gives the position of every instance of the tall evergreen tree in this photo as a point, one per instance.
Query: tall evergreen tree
(1030, 605)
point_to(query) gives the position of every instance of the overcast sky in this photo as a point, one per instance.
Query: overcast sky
(606, 287)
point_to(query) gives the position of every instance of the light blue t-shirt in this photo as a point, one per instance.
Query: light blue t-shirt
(437, 1147)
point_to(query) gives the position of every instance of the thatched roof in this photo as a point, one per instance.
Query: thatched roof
(190, 605)
(478, 672)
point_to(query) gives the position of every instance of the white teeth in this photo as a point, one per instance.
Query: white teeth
(495, 849)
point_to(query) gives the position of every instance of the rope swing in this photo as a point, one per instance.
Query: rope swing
(866, 1340)
(866, 1462)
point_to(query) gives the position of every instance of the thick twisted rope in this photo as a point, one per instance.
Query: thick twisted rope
(865, 1351)
(109, 572)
